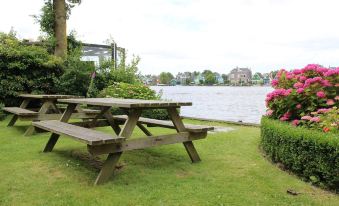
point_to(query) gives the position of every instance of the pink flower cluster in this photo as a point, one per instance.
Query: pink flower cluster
(286, 116)
(277, 93)
(323, 110)
(301, 94)
(314, 80)
(332, 72)
(311, 119)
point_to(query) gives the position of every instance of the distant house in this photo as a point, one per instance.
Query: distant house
(200, 79)
(258, 79)
(219, 79)
(149, 80)
(182, 78)
(240, 76)
(173, 82)
(267, 78)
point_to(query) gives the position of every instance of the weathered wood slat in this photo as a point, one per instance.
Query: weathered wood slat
(88, 136)
(20, 111)
(126, 103)
(167, 124)
(48, 96)
(90, 111)
(41, 117)
(142, 143)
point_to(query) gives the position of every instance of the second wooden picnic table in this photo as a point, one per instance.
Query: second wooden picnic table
(101, 143)
(48, 110)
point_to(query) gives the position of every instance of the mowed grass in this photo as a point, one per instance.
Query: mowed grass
(232, 172)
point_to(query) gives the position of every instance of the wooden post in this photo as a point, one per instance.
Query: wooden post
(64, 118)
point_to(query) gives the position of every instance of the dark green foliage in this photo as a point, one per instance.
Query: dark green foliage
(25, 69)
(137, 91)
(165, 77)
(76, 78)
(311, 154)
(77, 74)
(209, 77)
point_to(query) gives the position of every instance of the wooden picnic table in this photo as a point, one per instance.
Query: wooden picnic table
(48, 110)
(102, 143)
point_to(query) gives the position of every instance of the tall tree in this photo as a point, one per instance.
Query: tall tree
(165, 77)
(53, 19)
(60, 28)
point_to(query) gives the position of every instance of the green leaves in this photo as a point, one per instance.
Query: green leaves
(25, 69)
(138, 91)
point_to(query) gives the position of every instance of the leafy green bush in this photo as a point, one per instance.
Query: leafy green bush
(25, 69)
(76, 78)
(313, 155)
(129, 91)
(107, 74)
(138, 91)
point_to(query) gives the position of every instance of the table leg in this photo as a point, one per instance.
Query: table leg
(64, 118)
(144, 129)
(23, 105)
(112, 158)
(109, 117)
(180, 127)
(43, 110)
(131, 122)
(102, 112)
(108, 168)
(55, 108)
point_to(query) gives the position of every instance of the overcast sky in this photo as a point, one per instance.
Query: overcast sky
(180, 35)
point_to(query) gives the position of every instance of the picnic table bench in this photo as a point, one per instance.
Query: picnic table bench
(114, 145)
(49, 110)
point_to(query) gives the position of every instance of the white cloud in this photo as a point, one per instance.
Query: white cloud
(173, 35)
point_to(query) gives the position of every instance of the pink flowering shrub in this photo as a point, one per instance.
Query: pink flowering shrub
(301, 96)
(325, 119)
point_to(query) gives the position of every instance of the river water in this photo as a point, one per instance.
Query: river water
(246, 104)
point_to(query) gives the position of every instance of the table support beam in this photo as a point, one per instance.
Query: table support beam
(180, 127)
(145, 142)
(144, 129)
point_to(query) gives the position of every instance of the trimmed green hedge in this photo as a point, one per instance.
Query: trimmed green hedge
(312, 155)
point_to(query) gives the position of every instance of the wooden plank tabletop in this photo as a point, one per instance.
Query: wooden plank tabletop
(48, 96)
(126, 103)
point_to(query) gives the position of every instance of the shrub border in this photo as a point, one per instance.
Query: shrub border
(310, 154)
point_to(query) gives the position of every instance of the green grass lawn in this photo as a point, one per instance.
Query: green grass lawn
(232, 172)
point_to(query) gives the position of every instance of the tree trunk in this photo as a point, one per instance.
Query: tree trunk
(60, 28)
